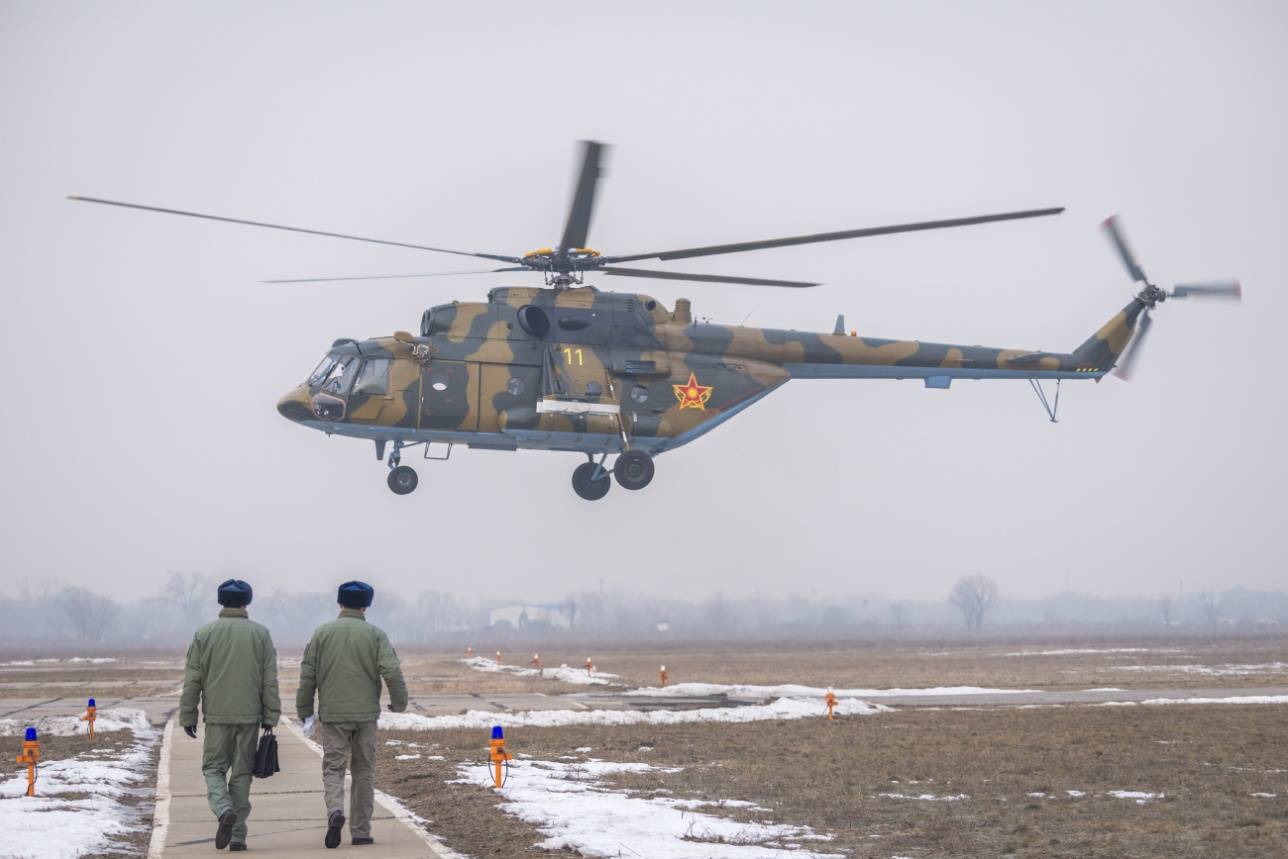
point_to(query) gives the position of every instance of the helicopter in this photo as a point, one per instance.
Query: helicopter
(569, 367)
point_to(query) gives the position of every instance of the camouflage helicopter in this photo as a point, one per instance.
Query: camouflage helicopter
(569, 367)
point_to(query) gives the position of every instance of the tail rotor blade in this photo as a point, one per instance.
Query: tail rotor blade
(583, 198)
(1124, 368)
(1119, 242)
(1229, 290)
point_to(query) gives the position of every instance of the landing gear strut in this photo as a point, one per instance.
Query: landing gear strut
(590, 480)
(402, 478)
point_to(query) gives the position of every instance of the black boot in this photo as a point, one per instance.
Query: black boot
(334, 823)
(224, 833)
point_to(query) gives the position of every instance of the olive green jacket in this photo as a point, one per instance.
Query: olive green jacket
(231, 672)
(342, 665)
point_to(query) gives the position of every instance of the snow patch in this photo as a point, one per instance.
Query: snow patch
(111, 719)
(571, 807)
(783, 708)
(926, 797)
(564, 673)
(1210, 670)
(791, 690)
(51, 826)
(1084, 651)
(1140, 796)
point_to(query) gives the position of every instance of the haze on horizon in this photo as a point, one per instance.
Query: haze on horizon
(139, 430)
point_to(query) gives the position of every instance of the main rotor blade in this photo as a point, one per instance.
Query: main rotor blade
(583, 198)
(1227, 289)
(289, 229)
(1124, 368)
(392, 276)
(738, 247)
(1110, 226)
(702, 278)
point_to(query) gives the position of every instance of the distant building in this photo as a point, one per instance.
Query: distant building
(533, 616)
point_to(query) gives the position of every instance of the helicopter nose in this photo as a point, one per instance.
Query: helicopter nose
(295, 405)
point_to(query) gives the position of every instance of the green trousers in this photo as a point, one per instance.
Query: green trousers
(228, 762)
(350, 745)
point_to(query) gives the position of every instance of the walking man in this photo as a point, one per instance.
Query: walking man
(231, 675)
(343, 664)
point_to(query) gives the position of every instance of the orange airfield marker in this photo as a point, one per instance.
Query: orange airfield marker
(590, 667)
(498, 657)
(30, 756)
(498, 755)
(662, 674)
(831, 702)
(469, 651)
(91, 713)
(536, 663)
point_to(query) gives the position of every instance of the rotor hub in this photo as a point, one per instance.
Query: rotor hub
(1151, 295)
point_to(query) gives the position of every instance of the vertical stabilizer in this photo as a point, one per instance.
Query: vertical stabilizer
(1102, 349)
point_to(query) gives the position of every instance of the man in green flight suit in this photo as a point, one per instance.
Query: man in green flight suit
(342, 665)
(231, 673)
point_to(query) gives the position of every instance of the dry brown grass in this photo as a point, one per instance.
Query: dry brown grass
(1136, 664)
(1207, 760)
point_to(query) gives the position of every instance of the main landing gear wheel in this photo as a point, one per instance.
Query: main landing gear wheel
(633, 469)
(403, 479)
(590, 481)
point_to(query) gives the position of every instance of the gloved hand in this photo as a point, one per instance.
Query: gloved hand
(308, 726)
(190, 730)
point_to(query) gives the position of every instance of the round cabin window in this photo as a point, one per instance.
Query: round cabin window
(639, 394)
(515, 386)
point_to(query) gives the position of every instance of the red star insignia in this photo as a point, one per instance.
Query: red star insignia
(691, 395)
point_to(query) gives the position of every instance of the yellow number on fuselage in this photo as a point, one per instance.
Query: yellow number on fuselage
(570, 353)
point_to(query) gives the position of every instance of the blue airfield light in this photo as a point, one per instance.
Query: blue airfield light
(91, 703)
(497, 733)
(31, 735)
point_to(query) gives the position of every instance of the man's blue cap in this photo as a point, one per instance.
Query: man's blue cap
(235, 593)
(31, 734)
(91, 703)
(355, 594)
(497, 733)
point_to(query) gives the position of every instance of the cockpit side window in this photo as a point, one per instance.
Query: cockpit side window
(373, 378)
(316, 377)
(340, 375)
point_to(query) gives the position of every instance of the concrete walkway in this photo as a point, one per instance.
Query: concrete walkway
(287, 816)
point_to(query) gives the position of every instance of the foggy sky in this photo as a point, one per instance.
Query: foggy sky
(144, 358)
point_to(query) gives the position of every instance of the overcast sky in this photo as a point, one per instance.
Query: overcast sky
(139, 430)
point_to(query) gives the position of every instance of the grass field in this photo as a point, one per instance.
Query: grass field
(1068, 665)
(1034, 782)
(1200, 780)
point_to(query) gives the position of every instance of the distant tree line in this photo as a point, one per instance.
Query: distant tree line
(75, 618)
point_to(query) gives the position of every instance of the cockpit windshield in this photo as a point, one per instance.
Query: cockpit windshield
(316, 377)
(337, 378)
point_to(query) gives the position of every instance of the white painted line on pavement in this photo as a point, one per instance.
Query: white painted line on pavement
(161, 810)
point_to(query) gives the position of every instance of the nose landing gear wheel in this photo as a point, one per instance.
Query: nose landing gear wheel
(633, 469)
(403, 479)
(590, 481)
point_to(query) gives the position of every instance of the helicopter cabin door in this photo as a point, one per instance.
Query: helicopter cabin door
(577, 394)
(449, 395)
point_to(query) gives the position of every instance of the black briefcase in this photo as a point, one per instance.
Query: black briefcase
(266, 756)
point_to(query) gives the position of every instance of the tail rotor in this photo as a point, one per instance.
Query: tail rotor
(1151, 295)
